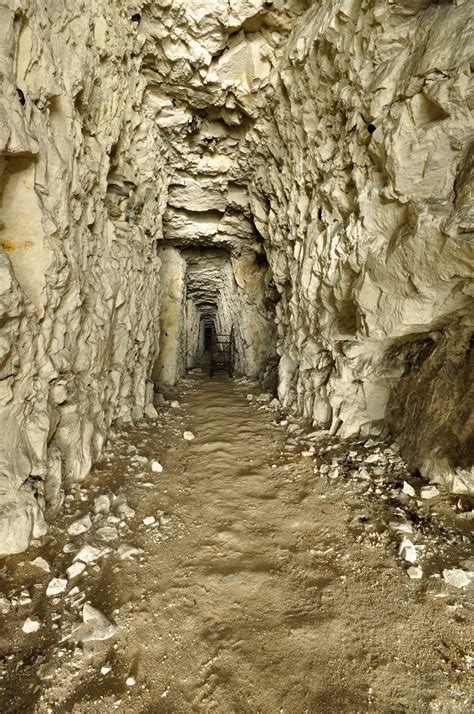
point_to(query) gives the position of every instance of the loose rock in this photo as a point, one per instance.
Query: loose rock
(90, 553)
(75, 569)
(150, 412)
(56, 586)
(408, 551)
(428, 492)
(81, 526)
(456, 577)
(100, 627)
(408, 490)
(32, 624)
(415, 572)
(42, 564)
(102, 504)
(5, 605)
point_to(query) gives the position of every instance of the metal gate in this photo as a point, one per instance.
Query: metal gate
(222, 353)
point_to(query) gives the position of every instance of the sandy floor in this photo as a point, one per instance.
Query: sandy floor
(263, 585)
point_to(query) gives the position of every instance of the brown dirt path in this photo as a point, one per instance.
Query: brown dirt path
(260, 587)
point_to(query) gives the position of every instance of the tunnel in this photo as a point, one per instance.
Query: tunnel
(210, 295)
(236, 356)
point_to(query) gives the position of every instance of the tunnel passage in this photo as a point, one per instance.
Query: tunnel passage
(213, 297)
(207, 336)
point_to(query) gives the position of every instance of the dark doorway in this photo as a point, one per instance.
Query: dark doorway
(207, 338)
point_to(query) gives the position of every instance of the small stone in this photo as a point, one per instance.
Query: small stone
(32, 624)
(101, 628)
(249, 397)
(188, 435)
(42, 564)
(149, 520)
(75, 569)
(468, 564)
(125, 551)
(174, 404)
(102, 504)
(156, 467)
(372, 458)
(125, 511)
(415, 572)
(403, 527)
(105, 670)
(370, 443)
(408, 490)
(456, 577)
(428, 492)
(90, 553)
(468, 516)
(150, 412)
(81, 526)
(56, 586)
(130, 681)
(5, 606)
(107, 533)
(407, 550)
(46, 672)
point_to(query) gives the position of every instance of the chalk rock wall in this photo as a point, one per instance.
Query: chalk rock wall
(362, 189)
(82, 194)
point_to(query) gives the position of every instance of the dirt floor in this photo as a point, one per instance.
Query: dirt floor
(266, 578)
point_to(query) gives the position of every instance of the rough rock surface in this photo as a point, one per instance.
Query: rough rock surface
(362, 190)
(312, 160)
(81, 203)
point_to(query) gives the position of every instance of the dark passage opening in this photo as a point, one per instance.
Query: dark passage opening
(207, 338)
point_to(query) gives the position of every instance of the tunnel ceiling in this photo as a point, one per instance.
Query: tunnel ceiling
(207, 69)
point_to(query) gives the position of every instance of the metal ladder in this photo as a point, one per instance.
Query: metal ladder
(222, 353)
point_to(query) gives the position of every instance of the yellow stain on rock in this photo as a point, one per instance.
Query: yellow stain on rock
(9, 246)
